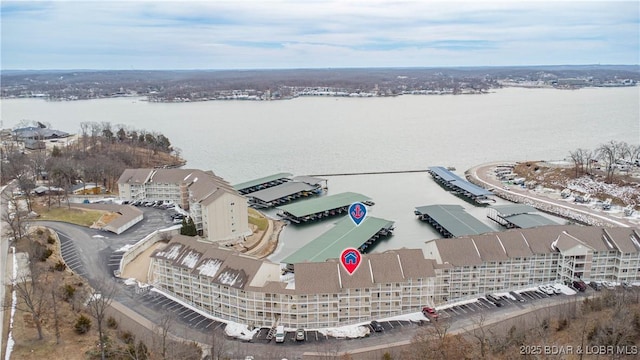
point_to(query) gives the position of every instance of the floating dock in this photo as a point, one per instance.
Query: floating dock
(321, 208)
(451, 220)
(282, 194)
(343, 235)
(262, 183)
(459, 185)
(518, 216)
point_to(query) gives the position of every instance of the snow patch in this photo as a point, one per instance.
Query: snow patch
(124, 248)
(507, 295)
(191, 259)
(348, 332)
(463, 302)
(240, 331)
(229, 278)
(565, 289)
(172, 254)
(210, 267)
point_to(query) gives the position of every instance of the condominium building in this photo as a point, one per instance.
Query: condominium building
(239, 288)
(218, 211)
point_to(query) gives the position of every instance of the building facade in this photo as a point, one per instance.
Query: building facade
(218, 211)
(239, 288)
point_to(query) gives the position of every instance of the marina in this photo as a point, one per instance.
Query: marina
(262, 183)
(343, 235)
(282, 194)
(459, 186)
(321, 208)
(451, 220)
(518, 216)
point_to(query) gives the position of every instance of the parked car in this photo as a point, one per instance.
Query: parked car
(546, 289)
(580, 285)
(300, 335)
(376, 326)
(595, 285)
(429, 312)
(556, 289)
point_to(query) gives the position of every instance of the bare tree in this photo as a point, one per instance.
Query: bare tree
(14, 216)
(97, 306)
(55, 296)
(609, 153)
(31, 290)
(161, 333)
(218, 345)
(480, 333)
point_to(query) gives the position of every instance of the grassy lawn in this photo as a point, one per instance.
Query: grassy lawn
(73, 216)
(257, 219)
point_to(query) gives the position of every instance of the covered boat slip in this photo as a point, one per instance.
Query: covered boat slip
(459, 185)
(322, 207)
(345, 234)
(282, 194)
(518, 216)
(262, 183)
(451, 220)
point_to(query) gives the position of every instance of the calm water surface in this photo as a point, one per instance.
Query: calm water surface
(244, 140)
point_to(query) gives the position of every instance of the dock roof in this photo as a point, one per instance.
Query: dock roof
(262, 180)
(343, 235)
(527, 221)
(280, 191)
(324, 203)
(514, 209)
(454, 219)
(459, 182)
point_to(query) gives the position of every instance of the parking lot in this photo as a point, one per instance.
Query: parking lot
(483, 304)
(192, 319)
(69, 253)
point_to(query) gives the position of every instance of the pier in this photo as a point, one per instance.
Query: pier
(451, 220)
(262, 183)
(282, 194)
(518, 216)
(460, 186)
(343, 235)
(321, 208)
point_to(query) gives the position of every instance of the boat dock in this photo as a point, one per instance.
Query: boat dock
(321, 208)
(262, 183)
(451, 220)
(282, 194)
(343, 235)
(460, 186)
(518, 216)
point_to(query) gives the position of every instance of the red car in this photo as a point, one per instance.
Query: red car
(429, 312)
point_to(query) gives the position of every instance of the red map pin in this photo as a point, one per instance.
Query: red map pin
(350, 259)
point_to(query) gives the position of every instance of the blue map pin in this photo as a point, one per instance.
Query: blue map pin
(357, 212)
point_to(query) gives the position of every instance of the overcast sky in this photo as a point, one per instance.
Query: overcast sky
(315, 34)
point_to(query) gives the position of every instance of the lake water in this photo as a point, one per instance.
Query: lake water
(243, 140)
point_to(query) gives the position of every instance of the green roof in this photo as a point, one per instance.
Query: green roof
(514, 209)
(345, 234)
(526, 221)
(454, 219)
(263, 180)
(324, 203)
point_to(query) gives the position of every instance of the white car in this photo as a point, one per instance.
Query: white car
(546, 289)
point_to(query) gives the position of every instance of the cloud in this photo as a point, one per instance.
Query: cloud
(280, 34)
